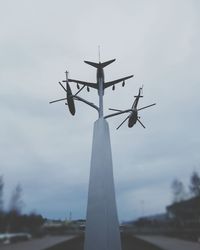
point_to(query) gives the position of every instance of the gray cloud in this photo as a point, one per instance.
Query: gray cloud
(47, 150)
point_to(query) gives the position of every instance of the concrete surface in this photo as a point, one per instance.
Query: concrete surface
(167, 243)
(36, 244)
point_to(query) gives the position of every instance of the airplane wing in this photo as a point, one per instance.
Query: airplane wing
(108, 84)
(89, 84)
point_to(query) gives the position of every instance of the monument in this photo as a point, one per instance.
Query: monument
(102, 226)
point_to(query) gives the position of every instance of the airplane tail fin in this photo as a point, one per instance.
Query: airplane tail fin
(100, 65)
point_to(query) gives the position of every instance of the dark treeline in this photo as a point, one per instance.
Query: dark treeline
(12, 220)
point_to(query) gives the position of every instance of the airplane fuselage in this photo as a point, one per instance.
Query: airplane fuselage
(100, 79)
(100, 83)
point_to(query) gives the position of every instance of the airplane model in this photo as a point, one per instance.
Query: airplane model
(100, 85)
(133, 117)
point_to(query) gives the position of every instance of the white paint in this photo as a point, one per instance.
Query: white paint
(102, 226)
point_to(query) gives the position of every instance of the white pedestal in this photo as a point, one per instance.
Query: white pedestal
(102, 226)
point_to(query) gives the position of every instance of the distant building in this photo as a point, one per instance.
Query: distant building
(151, 221)
(187, 211)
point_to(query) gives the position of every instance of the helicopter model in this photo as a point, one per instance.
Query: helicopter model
(69, 96)
(133, 116)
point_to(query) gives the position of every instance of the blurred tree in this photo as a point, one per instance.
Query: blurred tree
(15, 219)
(195, 184)
(1, 194)
(1, 204)
(178, 191)
(16, 203)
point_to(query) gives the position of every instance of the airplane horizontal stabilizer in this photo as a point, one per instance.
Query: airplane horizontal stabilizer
(96, 65)
(107, 63)
(100, 65)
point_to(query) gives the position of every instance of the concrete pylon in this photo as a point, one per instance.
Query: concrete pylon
(102, 226)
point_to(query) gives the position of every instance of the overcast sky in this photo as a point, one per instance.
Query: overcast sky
(47, 150)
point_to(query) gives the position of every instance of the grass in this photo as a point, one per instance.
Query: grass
(128, 243)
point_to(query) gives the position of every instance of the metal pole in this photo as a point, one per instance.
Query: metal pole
(101, 92)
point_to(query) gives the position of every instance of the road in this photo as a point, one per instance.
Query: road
(167, 243)
(37, 244)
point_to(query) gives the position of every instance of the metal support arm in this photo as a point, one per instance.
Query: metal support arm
(86, 102)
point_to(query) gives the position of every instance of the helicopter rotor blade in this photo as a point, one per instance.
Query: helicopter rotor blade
(147, 106)
(62, 87)
(76, 92)
(80, 90)
(62, 99)
(141, 123)
(118, 110)
(122, 122)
